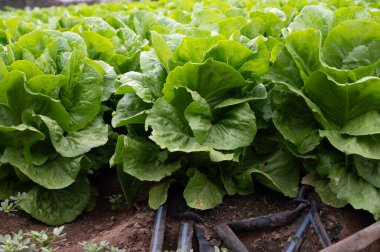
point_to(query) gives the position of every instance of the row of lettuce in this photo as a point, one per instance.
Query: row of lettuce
(213, 96)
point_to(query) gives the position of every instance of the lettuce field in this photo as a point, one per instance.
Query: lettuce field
(213, 97)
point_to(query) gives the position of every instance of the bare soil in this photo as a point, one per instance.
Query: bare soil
(128, 228)
(131, 228)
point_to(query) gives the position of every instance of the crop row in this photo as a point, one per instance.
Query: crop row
(211, 95)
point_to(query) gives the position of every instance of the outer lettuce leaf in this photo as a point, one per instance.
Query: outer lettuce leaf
(7, 57)
(3, 69)
(262, 23)
(327, 195)
(231, 53)
(148, 84)
(142, 21)
(9, 186)
(56, 173)
(201, 193)
(236, 183)
(129, 184)
(349, 13)
(229, 25)
(198, 114)
(340, 184)
(294, 120)
(194, 49)
(134, 82)
(55, 207)
(47, 84)
(237, 176)
(235, 129)
(86, 103)
(196, 129)
(212, 80)
(130, 110)
(97, 25)
(83, 98)
(153, 68)
(163, 51)
(285, 69)
(27, 67)
(7, 83)
(19, 136)
(278, 171)
(365, 124)
(342, 102)
(109, 79)
(317, 112)
(98, 46)
(355, 190)
(158, 194)
(304, 46)
(366, 146)
(369, 169)
(74, 144)
(145, 161)
(34, 42)
(313, 16)
(255, 94)
(352, 45)
(170, 129)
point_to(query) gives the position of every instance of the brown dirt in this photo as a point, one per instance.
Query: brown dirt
(131, 228)
(339, 223)
(125, 228)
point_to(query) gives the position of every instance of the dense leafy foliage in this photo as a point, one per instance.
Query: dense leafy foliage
(211, 95)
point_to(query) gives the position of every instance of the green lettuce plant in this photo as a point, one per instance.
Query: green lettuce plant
(51, 96)
(213, 96)
(190, 116)
(326, 102)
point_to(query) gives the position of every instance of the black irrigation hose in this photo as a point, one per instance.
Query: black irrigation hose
(267, 221)
(191, 215)
(304, 189)
(232, 242)
(312, 217)
(186, 232)
(226, 231)
(323, 237)
(299, 235)
(229, 238)
(159, 230)
(186, 237)
(203, 244)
